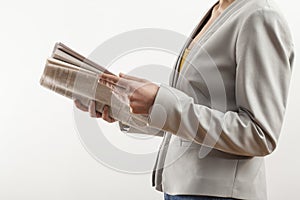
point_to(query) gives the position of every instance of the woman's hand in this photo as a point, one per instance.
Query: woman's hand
(92, 110)
(141, 93)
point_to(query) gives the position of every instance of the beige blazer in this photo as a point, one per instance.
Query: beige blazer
(224, 111)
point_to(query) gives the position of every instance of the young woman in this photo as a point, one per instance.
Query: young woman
(227, 97)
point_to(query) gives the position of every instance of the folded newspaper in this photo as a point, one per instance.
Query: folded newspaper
(76, 77)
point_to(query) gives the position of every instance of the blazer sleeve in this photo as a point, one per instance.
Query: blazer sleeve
(264, 57)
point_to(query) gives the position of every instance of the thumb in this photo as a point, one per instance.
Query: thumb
(133, 78)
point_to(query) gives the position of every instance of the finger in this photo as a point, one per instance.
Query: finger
(114, 80)
(112, 84)
(93, 112)
(92, 109)
(133, 78)
(108, 83)
(137, 108)
(105, 115)
(98, 114)
(80, 106)
(109, 78)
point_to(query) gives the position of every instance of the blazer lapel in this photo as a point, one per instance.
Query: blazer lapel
(175, 73)
(213, 27)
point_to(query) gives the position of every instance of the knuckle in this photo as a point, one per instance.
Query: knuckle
(131, 97)
(131, 104)
(98, 115)
(134, 111)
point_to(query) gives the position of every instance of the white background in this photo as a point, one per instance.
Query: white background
(41, 156)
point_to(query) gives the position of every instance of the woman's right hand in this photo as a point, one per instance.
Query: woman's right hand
(92, 110)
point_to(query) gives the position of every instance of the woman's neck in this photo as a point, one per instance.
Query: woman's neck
(222, 5)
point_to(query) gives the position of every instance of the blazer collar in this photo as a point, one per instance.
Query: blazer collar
(213, 27)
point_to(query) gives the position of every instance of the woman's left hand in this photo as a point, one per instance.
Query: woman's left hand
(141, 92)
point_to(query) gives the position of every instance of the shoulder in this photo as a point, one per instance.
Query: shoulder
(260, 15)
(261, 9)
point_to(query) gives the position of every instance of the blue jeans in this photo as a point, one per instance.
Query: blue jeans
(187, 197)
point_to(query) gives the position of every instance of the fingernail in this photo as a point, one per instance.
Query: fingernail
(121, 74)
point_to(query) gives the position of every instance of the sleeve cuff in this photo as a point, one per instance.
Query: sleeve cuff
(163, 114)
